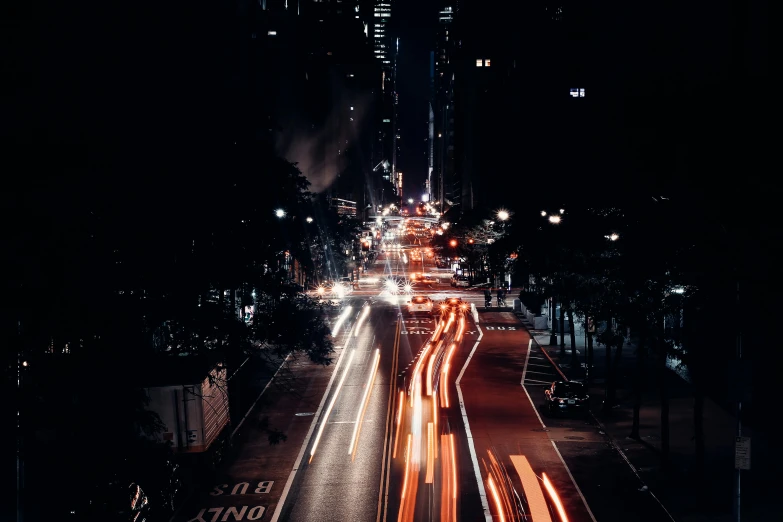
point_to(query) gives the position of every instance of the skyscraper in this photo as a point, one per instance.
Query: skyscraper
(445, 187)
(320, 98)
(385, 48)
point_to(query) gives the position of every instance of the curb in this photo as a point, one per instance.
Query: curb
(612, 440)
(192, 492)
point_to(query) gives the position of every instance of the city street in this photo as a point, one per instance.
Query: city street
(349, 436)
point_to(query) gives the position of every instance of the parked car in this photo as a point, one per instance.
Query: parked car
(569, 396)
(421, 304)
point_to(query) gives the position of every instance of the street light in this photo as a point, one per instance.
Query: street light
(543, 213)
(503, 215)
(554, 220)
(280, 213)
(613, 237)
(453, 242)
(410, 201)
(309, 219)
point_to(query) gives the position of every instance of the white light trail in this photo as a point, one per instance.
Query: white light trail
(341, 320)
(365, 398)
(331, 405)
(362, 318)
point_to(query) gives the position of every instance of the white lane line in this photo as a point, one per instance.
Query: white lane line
(527, 358)
(298, 461)
(471, 448)
(543, 373)
(579, 491)
(534, 406)
(589, 512)
(537, 381)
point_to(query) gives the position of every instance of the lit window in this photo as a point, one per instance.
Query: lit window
(486, 62)
(271, 33)
(479, 62)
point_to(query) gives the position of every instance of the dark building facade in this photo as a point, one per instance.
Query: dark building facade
(377, 16)
(445, 187)
(312, 67)
(514, 115)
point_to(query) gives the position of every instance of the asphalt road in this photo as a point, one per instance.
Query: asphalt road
(250, 482)
(503, 420)
(337, 482)
(346, 458)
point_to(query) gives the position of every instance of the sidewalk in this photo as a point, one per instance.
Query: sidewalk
(688, 499)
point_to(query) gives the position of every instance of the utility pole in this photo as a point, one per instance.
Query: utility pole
(740, 386)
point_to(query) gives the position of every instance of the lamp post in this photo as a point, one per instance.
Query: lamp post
(553, 219)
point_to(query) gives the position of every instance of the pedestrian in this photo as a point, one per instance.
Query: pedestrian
(501, 297)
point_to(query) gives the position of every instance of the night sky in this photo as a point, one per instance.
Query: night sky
(417, 21)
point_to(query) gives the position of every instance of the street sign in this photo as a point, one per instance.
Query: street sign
(742, 453)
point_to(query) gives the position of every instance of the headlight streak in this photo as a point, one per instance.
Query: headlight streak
(362, 318)
(407, 467)
(444, 381)
(450, 322)
(430, 366)
(435, 423)
(496, 497)
(365, 400)
(417, 420)
(410, 486)
(416, 370)
(453, 470)
(505, 490)
(399, 423)
(341, 320)
(448, 496)
(331, 405)
(461, 330)
(430, 476)
(438, 331)
(536, 503)
(555, 498)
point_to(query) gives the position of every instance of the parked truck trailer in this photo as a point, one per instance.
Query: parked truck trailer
(193, 407)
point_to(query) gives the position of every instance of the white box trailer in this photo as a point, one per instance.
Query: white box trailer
(194, 412)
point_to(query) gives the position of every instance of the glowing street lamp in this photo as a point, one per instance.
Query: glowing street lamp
(503, 215)
(309, 219)
(554, 220)
(613, 237)
(543, 213)
(453, 242)
(280, 213)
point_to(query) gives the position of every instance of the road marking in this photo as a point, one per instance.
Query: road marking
(306, 442)
(527, 357)
(537, 381)
(534, 406)
(471, 448)
(584, 501)
(541, 373)
(613, 444)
